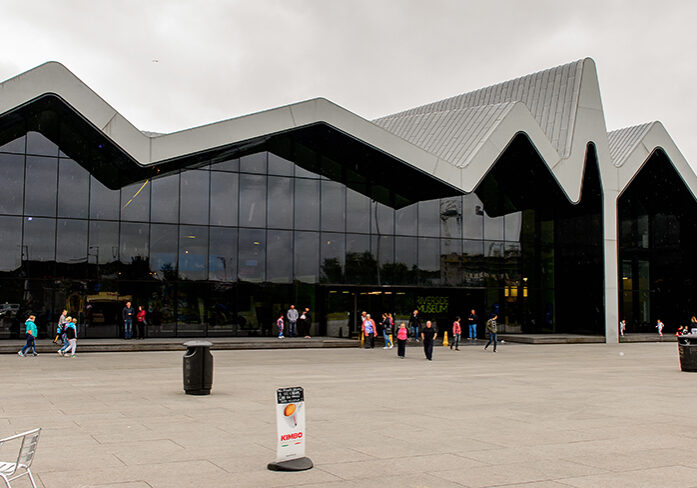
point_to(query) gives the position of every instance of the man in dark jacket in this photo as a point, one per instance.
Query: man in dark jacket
(492, 329)
(472, 319)
(127, 315)
(415, 325)
(428, 336)
(306, 317)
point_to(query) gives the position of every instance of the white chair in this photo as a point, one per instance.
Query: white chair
(27, 449)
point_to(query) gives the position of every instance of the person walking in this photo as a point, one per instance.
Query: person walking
(306, 317)
(402, 340)
(623, 327)
(64, 336)
(415, 325)
(140, 323)
(428, 336)
(387, 330)
(279, 326)
(61, 324)
(127, 315)
(491, 328)
(292, 316)
(370, 332)
(71, 334)
(31, 332)
(457, 332)
(472, 320)
(659, 326)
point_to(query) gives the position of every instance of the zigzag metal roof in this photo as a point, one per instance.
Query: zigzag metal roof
(623, 141)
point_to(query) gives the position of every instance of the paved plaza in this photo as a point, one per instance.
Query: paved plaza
(534, 416)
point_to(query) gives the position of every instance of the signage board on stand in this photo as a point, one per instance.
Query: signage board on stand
(291, 434)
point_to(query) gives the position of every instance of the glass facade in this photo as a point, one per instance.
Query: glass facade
(223, 247)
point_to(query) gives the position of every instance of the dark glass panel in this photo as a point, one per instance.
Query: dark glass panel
(357, 212)
(451, 217)
(135, 241)
(165, 199)
(306, 253)
(39, 239)
(512, 226)
(195, 197)
(451, 262)
(73, 190)
(405, 260)
(191, 315)
(71, 241)
(221, 308)
(279, 266)
(332, 169)
(280, 203)
(252, 200)
(41, 186)
(10, 243)
(224, 201)
(253, 163)
(472, 217)
(104, 203)
(38, 144)
(135, 202)
(429, 261)
(306, 204)
(405, 220)
(280, 166)
(333, 206)
(15, 146)
(383, 219)
(382, 248)
(473, 262)
(193, 252)
(493, 228)
(12, 171)
(307, 162)
(222, 259)
(230, 165)
(361, 266)
(252, 255)
(332, 257)
(104, 242)
(493, 263)
(428, 218)
(163, 251)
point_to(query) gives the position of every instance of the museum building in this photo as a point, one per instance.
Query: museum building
(512, 199)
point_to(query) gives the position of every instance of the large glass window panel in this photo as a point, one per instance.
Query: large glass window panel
(135, 202)
(12, 195)
(71, 241)
(253, 163)
(361, 266)
(332, 257)
(451, 261)
(280, 203)
(135, 242)
(165, 199)
(229, 165)
(512, 226)
(39, 239)
(10, 243)
(41, 186)
(405, 258)
(163, 251)
(451, 217)
(405, 220)
(252, 201)
(104, 242)
(306, 204)
(224, 198)
(104, 203)
(195, 197)
(472, 217)
(222, 259)
(307, 161)
(429, 260)
(193, 252)
(39, 145)
(493, 228)
(252, 255)
(493, 262)
(280, 166)
(428, 218)
(382, 219)
(73, 190)
(306, 256)
(16, 146)
(382, 248)
(333, 206)
(357, 212)
(473, 262)
(279, 265)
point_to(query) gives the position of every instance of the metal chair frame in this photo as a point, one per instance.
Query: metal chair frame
(25, 456)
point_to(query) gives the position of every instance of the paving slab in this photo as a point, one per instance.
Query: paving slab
(547, 416)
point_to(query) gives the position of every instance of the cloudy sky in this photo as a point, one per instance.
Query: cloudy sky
(170, 65)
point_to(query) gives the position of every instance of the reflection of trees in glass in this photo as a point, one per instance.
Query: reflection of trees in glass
(398, 274)
(331, 271)
(361, 267)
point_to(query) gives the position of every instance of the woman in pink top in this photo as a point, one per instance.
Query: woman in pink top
(402, 340)
(457, 330)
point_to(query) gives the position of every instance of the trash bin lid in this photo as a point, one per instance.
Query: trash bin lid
(198, 344)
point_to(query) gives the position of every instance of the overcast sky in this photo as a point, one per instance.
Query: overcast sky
(171, 65)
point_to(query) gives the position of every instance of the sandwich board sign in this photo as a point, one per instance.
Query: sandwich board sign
(291, 433)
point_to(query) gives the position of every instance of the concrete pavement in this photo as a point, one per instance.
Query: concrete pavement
(534, 416)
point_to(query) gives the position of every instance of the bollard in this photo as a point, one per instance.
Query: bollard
(362, 339)
(445, 339)
(391, 341)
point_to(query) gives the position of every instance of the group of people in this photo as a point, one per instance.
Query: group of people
(66, 332)
(298, 323)
(682, 330)
(128, 314)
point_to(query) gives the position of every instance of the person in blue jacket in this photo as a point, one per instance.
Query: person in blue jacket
(31, 336)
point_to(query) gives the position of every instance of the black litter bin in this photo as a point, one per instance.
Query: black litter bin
(687, 349)
(198, 368)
